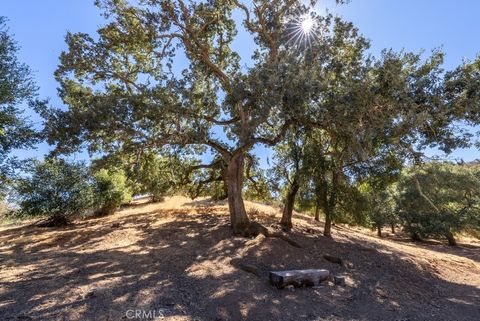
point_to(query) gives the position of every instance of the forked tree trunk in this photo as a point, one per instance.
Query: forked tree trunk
(286, 221)
(234, 180)
(451, 239)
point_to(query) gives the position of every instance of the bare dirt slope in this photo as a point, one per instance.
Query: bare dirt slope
(173, 260)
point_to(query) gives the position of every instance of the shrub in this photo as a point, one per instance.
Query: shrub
(146, 174)
(110, 190)
(56, 189)
(379, 206)
(439, 199)
(157, 176)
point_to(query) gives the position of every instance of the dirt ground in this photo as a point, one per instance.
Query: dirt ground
(177, 260)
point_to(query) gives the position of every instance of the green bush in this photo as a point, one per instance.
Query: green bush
(439, 199)
(56, 189)
(110, 190)
(146, 174)
(379, 206)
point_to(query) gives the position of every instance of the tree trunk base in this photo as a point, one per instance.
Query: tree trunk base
(157, 199)
(254, 229)
(249, 229)
(286, 226)
(451, 239)
(415, 237)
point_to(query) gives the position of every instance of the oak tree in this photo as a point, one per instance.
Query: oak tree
(123, 87)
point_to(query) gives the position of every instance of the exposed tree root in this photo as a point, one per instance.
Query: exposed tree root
(256, 229)
(333, 259)
(337, 260)
(249, 268)
(285, 238)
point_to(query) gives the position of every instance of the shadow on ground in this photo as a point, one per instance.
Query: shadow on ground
(177, 263)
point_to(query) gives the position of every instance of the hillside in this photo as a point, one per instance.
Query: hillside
(178, 259)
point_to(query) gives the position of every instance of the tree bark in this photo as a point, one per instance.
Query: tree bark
(324, 203)
(379, 231)
(286, 221)
(234, 180)
(327, 230)
(224, 173)
(451, 239)
(393, 228)
(317, 212)
(330, 200)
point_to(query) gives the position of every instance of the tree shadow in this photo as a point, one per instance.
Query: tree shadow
(465, 250)
(178, 262)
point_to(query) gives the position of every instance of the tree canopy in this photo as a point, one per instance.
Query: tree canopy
(16, 87)
(124, 91)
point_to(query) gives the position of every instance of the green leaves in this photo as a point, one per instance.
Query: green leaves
(54, 188)
(16, 87)
(163, 76)
(110, 190)
(437, 199)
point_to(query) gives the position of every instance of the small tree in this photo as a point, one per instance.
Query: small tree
(110, 190)
(439, 199)
(56, 189)
(289, 160)
(380, 206)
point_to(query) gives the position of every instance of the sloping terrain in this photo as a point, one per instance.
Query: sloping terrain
(177, 260)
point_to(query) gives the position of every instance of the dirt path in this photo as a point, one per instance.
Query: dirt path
(172, 261)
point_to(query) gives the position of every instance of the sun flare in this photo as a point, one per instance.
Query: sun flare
(303, 30)
(307, 24)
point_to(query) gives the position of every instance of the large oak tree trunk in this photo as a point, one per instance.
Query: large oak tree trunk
(234, 180)
(286, 221)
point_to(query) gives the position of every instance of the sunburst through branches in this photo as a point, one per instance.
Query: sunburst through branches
(303, 30)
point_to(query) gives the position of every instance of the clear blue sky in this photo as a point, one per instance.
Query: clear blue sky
(40, 26)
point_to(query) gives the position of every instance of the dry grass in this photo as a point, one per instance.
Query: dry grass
(175, 257)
